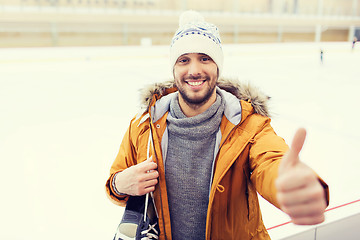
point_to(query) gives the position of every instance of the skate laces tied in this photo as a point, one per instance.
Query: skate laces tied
(148, 235)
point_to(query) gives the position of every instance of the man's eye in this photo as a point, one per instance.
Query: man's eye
(182, 60)
(205, 59)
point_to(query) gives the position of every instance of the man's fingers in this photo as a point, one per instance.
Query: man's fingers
(147, 165)
(305, 193)
(309, 220)
(291, 158)
(295, 179)
(308, 209)
(150, 183)
(150, 176)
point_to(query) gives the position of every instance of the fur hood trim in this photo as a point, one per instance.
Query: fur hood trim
(243, 91)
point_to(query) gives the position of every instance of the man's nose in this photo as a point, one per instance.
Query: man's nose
(194, 68)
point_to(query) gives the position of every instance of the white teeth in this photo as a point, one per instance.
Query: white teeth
(195, 83)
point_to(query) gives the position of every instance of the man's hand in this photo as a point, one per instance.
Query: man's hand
(300, 193)
(139, 179)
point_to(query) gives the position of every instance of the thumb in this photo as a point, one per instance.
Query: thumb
(292, 156)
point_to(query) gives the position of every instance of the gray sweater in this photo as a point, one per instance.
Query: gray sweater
(188, 167)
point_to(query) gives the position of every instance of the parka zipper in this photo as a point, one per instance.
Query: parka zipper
(213, 171)
(230, 133)
(219, 180)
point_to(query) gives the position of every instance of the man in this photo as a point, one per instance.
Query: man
(212, 148)
(353, 43)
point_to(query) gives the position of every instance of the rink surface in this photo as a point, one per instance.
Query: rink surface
(64, 112)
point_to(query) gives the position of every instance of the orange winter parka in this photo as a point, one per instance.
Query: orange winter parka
(247, 160)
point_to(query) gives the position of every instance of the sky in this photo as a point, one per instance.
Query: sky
(64, 112)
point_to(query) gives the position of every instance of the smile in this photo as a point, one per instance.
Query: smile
(195, 83)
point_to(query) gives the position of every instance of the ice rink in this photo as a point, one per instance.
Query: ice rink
(64, 112)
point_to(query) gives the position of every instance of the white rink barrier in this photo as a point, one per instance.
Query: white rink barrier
(342, 222)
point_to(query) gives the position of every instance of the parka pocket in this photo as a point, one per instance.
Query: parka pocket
(251, 196)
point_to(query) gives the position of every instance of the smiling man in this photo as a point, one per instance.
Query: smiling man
(195, 77)
(204, 146)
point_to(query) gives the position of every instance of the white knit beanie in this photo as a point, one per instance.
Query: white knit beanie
(194, 35)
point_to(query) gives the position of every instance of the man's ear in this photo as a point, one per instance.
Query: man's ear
(173, 72)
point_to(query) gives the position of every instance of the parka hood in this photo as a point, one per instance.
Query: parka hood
(243, 91)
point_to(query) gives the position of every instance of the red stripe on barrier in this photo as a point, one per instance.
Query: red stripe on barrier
(329, 209)
(345, 204)
(278, 225)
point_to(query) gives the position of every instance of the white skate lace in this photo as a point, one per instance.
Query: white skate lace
(148, 235)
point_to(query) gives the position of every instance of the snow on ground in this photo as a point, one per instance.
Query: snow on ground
(64, 112)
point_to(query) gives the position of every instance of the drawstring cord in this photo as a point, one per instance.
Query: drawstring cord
(147, 157)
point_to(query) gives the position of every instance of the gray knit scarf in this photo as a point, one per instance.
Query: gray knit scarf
(188, 167)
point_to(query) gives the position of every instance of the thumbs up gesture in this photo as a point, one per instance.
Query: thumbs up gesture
(300, 193)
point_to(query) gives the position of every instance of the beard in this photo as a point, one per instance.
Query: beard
(196, 100)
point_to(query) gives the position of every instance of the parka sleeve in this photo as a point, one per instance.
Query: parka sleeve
(125, 158)
(266, 153)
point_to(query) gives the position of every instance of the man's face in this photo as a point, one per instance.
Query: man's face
(195, 77)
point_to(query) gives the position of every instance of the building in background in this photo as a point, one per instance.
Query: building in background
(30, 23)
